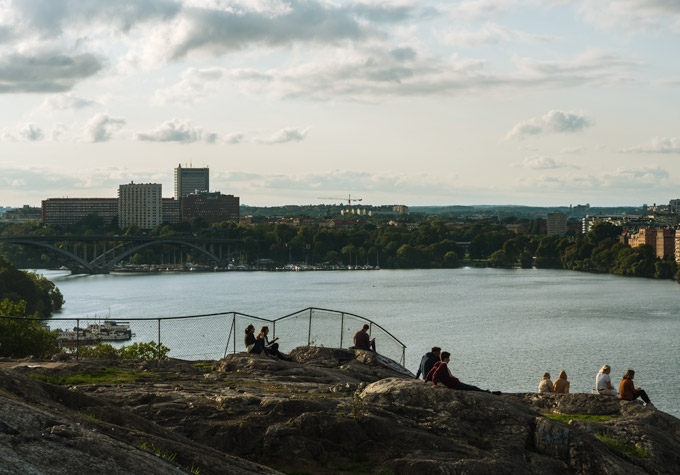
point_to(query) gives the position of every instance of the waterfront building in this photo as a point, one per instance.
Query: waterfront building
(139, 204)
(618, 219)
(212, 207)
(21, 215)
(643, 236)
(191, 180)
(665, 243)
(674, 206)
(171, 211)
(677, 248)
(66, 211)
(556, 224)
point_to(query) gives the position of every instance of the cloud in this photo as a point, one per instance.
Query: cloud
(26, 133)
(176, 131)
(491, 33)
(285, 136)
(195, 84)
(657, 145)
(544, 163)
(234, 138)
(68, 101)
(633, 15)
(45, 72)
(102, 127)
(553, 122)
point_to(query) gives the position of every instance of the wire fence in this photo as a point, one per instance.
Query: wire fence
(212, 336)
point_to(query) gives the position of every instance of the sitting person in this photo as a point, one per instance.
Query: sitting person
(545, 386)
(428, 361)
(442, 374)
(271, 348)
(630, 392)
(362, 341)
(603, 382)
(561, 385)
(252, 344)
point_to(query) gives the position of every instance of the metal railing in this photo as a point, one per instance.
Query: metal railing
(202, 337)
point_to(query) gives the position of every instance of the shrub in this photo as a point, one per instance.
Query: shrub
(22, 337)
(136, 351)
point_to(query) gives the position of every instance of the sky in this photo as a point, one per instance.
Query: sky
(525, 102)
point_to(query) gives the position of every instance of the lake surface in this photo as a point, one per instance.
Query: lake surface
(504, 328)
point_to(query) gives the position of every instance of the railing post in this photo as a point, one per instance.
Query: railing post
(77, 339)
(234, 323)
(342, 326)
(309, 332)
(274, 328)
(159, 340)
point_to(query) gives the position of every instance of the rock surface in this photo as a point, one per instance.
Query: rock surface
(329, 411)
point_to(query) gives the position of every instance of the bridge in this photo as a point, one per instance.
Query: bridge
(98, 254)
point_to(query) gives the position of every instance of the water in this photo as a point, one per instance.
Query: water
(504, 328)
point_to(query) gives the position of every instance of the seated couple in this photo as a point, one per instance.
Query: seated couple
(260, 344)
(440, 373)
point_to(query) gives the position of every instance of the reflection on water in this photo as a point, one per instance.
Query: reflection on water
(504, 328)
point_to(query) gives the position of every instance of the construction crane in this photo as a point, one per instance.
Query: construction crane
(349, 199)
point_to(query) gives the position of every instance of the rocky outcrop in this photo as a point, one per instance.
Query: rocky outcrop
(328, 411)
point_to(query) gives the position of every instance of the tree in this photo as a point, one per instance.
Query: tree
(21, 337)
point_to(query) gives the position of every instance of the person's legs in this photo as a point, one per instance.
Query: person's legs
(467, 387)
(373, 344)
(608, 392)
(641, 394)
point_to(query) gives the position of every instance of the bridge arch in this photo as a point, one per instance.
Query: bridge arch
(139, 247)
(28, 242)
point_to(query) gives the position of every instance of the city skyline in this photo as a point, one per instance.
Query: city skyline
(521, 102)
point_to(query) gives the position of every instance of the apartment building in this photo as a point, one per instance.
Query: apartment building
(139, 204)
(66, 211)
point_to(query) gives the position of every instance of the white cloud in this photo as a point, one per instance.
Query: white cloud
(195, 84)
(68, 101)
(491, 33)
(285, 136)
(544, 163)
(657, 145)
(234, 138)
(176, 131)
(553, 122)
(633, 15)
(102, 127)
(25, 133)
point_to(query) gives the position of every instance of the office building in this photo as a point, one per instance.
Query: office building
(190, 180)
(171, 211)
(139, 204)
(556, 224)
(211, 207)
(66, 211)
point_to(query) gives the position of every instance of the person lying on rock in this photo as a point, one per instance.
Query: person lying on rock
(252, 344)
(546, 385)
(428, 361)
(603, 382)
(271, 348)
(443, 375)
(362, 341)
(630, 392)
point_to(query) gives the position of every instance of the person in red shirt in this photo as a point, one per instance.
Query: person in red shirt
(362, 341)
(630, 392)
(440, 373)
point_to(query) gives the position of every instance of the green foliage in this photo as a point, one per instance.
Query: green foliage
(135, 351)
(102, 375)
(170, 457)
(40, 294)
(21, 337)
(621, 445)
(578, 417)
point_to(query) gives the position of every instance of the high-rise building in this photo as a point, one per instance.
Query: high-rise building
(556, 224)
(64, 211)
(139, 204)
(191, 180)
(212, 207)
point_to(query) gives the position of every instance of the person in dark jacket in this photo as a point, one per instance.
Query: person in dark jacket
(362, 340)
(442, 374)
(252, 344)
(428, 360)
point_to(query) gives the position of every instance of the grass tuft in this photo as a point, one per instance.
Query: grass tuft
(621, 445)
(94, 376)
(578, 417)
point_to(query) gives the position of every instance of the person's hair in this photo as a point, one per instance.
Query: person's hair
(262, 331)
(563, 375)
(605, 368)
(546, 375)
(444, 355)
(436, 349)
(366, 327)
(629, 374)
(249, 327)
